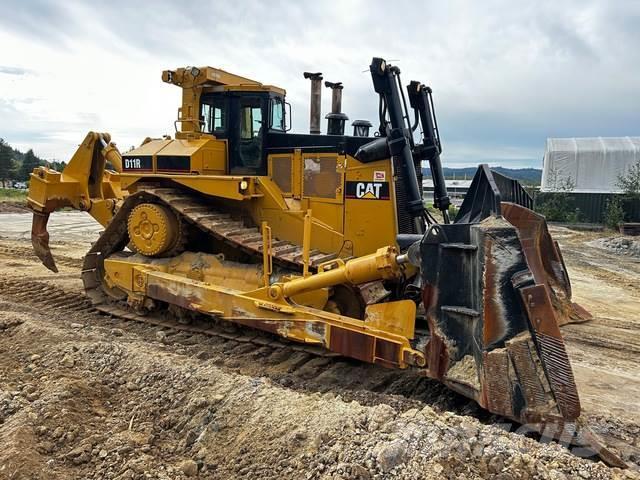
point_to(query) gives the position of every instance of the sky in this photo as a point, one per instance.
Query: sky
(505, 74)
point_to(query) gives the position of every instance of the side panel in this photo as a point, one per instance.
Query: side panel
(305, 181)
(370, 217)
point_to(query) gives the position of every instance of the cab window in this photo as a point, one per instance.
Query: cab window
(277, 114)
(250, 118)
(213, 116)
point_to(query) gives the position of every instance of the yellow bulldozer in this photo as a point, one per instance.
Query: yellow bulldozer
(325, 240)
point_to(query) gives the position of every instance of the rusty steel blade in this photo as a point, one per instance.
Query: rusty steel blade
(545, 261)
(40, 240)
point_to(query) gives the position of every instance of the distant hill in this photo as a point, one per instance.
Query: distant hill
(529, 176)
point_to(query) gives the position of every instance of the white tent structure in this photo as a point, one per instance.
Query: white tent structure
(587, 165)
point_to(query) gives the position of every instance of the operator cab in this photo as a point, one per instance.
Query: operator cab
(243, 119)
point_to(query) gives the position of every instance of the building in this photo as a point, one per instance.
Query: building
(584, 172)
(456, 189)
(587, 165)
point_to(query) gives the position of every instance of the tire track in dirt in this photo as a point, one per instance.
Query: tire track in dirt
(14, 251)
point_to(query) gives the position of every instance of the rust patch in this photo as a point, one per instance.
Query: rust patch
(492, 328)
(436, 352)
(552, 350)
(164, 294)
(497, 385)
(544, 259)
(387, 353)
(521, 351)
(351, 344)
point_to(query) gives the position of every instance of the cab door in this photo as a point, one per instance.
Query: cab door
(246, 137)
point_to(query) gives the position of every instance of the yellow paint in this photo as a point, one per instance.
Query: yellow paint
(153, 229)
(221, 292)
(307, 207)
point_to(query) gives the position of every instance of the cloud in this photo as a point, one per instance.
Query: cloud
(506, 75)
(13, 70)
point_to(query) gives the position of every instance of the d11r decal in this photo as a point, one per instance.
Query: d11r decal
(367, 190)
(137, 163)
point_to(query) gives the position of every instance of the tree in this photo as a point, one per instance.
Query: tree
(629, 182)
(6, 162)
(56, 165)
(613, 213)
(558, 205)
(29, 162)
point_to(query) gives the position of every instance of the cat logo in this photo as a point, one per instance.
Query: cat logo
(367, 190)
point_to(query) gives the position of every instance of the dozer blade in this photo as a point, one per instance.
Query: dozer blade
(495, 292)
(40, 240)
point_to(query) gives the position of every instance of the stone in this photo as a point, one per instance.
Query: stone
(496, 464)
(161, 336)
(128, 474)
(117, 332)
(392, 454)
(189, 468)
(68, 361)
(76, 325)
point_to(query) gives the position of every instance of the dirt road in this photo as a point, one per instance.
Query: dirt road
(84, 395)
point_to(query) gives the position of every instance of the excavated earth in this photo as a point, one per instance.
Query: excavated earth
(85, 395)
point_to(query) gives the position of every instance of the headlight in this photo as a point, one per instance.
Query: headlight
(244, 185)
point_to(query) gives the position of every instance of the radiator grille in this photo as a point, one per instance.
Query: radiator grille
(281, 172)
(321, 179)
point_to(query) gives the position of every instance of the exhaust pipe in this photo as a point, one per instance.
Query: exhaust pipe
(316, 98)
(336, 96)
(336, 119)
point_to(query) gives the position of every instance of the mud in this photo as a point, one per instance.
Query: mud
(85, 395)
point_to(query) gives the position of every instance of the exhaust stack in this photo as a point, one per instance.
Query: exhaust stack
(316, 98)
(336, 119)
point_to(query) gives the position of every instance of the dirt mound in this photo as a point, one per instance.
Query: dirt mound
(620, 245)
(13, 207)
(86, 401)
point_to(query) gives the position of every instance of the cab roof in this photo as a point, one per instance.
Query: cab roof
(215, 79)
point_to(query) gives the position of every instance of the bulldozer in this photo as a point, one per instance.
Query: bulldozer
(325, 240)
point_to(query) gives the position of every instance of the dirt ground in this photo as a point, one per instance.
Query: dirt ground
(85, 395)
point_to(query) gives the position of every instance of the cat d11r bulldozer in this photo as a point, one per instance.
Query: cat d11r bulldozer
(325, 240)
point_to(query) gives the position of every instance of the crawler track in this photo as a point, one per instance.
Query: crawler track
(256, 353)
(221, 227)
